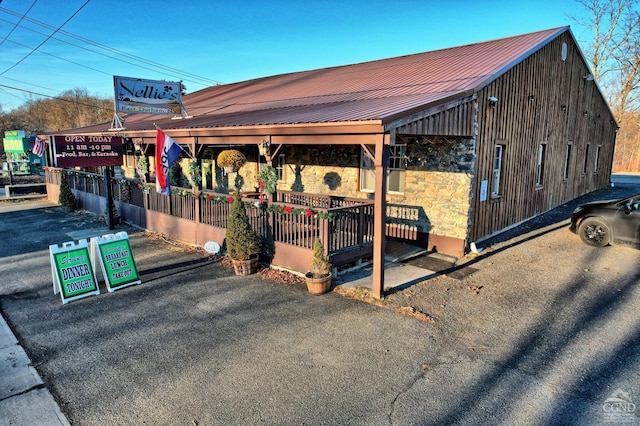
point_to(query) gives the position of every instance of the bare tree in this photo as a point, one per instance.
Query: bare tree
(614, 56)
(614, 51)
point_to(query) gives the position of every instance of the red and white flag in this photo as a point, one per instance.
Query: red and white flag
(38, 147)
(167, 152)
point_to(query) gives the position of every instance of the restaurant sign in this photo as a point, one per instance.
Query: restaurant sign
(137, 96)
(88, 151)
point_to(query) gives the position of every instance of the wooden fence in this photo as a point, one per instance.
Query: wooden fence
(341, 223)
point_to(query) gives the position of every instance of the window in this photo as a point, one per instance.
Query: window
(567, 159)
(585, 165)
(596, 167)
(395, 176)
(542, 150)
(280, 166)
(395, 170)
(496, 188)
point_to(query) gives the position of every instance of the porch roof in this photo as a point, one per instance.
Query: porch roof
(377, 92)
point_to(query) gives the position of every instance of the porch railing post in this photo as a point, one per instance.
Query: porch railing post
(197, 206)
(360, 225)
(325, 235)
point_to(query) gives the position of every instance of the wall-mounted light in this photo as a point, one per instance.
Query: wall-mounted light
(493, 101)
(588, 77)
(264, 147)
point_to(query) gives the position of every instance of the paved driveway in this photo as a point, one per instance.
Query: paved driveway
(543, 332)
(550, 325)
(195, 344)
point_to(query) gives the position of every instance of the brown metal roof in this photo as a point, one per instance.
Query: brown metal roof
(378, 90)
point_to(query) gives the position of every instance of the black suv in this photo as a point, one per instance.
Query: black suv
(608, 222)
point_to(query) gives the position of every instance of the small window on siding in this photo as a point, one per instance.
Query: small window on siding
(567, 162)
(496, 182)
(585, 164)
(542, 150)
(596, 166)
(395, 170)
(280, 166)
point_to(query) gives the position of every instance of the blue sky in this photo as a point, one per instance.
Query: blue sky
(229, 41)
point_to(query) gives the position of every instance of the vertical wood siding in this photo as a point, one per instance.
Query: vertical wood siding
(456, 121)
(541, 100)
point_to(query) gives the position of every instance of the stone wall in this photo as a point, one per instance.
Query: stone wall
(437, 180)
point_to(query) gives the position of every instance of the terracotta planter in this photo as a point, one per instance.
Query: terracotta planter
(318, 286)
(246, 267)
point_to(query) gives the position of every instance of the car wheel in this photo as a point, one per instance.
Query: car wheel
(595, 232)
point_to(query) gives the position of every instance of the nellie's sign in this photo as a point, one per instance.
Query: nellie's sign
(88, 151)
(138, 96)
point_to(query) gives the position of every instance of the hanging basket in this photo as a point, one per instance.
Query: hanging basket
(231, 160)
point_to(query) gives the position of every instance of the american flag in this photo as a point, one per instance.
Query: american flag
(38, 147)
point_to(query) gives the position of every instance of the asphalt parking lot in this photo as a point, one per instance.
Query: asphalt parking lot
(544, 331)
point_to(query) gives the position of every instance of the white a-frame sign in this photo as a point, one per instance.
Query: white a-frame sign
(72, 271)
(113, 251)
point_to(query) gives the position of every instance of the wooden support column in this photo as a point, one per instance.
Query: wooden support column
(380, 212)
(197, 151)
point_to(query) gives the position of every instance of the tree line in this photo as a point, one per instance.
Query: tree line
(73, 108)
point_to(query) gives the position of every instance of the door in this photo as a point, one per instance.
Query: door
(626, 227)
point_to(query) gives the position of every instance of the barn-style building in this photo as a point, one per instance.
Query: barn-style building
(440, 149)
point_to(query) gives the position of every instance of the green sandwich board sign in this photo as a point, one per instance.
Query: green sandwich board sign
(116, 260)
(72, 271)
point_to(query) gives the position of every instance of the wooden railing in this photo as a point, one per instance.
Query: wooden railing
(215, 212)
(350, 223)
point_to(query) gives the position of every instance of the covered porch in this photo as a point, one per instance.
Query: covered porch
(288, 223)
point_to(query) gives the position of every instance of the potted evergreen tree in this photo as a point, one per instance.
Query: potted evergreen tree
(318, 279)
(66, 198)
(243, 244)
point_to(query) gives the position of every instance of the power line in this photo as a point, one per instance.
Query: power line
(60, 58)
(202, 80)
(103, 54)
(30, 84)
(46, 39)
(55, 97)
(18, 23)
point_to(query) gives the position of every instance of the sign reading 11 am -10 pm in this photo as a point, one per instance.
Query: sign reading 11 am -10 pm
(88, 151)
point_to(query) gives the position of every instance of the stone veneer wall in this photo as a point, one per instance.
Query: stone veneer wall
(438, 179)
(331, 170)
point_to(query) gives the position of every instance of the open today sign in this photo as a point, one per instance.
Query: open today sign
(88, 151)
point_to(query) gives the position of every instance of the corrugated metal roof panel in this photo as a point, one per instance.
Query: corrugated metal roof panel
(366, 91)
